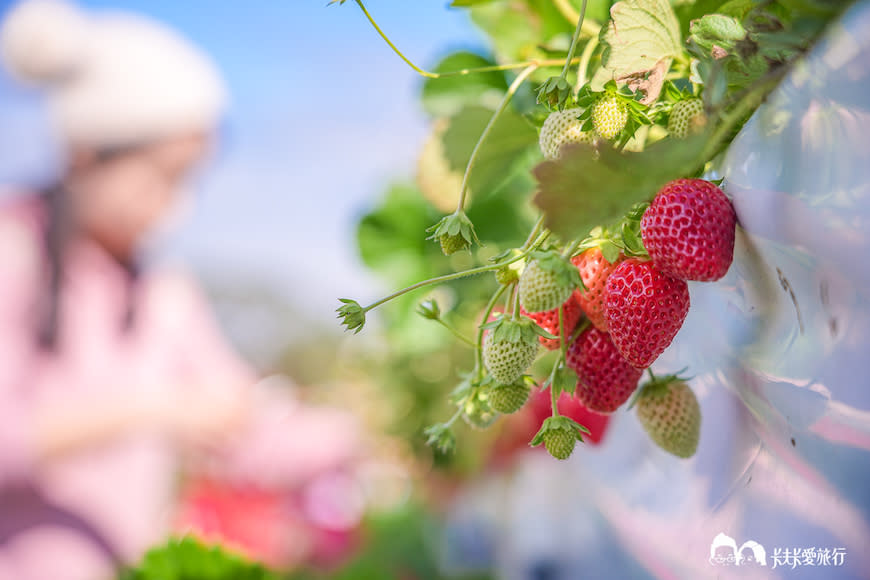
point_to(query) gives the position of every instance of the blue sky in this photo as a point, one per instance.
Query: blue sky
(323, 117)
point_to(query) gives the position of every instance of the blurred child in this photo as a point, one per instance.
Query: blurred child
(107, 371)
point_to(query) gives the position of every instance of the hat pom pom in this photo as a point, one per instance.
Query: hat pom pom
(43, 41)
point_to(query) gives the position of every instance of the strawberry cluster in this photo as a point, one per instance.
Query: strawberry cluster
(612, 308)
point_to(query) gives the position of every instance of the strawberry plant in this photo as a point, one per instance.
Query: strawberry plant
(607, 116)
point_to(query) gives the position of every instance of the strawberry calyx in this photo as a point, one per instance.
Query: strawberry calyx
(441, 437)
(352, 315)
(623, 238)
(657, 386)
(455, 232)
(562, 379)
(521, 329)
(559, 434)
(554, 93)
(561, 267)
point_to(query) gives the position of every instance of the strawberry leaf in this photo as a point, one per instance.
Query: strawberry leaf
(641, 40)
(510, 141)
(561, 267)
(578, 192)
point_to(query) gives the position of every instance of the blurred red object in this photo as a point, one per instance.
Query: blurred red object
(266, 525)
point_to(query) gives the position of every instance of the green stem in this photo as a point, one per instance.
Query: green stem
(574, 40)
(563, 344)
(460, 72)
(454, 276)
(456, 333)
(515, 308)
(449, 422)
(460, 206)
(554, 398)
(571, 15)
(536, 229)
(569, 250)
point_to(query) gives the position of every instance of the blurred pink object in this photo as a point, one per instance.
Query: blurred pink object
(61, 518)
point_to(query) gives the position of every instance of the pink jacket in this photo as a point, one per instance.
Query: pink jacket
(62, 520)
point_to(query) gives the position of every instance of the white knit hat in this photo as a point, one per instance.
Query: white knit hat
(111, 78)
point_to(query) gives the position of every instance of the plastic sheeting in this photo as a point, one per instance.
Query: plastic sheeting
(779, 351)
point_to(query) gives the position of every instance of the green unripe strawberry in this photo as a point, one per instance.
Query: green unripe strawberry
(669, 412)
(547, 282)
(687, 117)
(506, 275)
(509, 398)
(452, 244)
(560, 129)
(509, 348)
(478, 413)
(560, 443)
(609, 116)
(454, 232)
(559, 435)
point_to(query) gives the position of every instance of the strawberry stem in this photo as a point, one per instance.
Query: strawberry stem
(458, 275)
(449, 422)
(554, 396)
(455, 332)
(515, 302)
(591, 30)
(574, 40)
(571, 14)
(563, 344)
(512, 89)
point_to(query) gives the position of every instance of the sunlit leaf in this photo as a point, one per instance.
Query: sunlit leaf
(579, 192)
(643, 36)
(509, 141)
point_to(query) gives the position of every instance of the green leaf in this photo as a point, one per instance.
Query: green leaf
(188, 559)
(578, 192)
(641, 35)
(511, 139)
(717, 30)
(446, 96)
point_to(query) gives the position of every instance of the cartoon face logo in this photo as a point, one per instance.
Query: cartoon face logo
(724, 552)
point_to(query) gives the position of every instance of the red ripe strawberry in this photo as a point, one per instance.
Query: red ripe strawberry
(688, 230)
(594, 270)
(549, 321)
(645, 309)
(605, 379)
